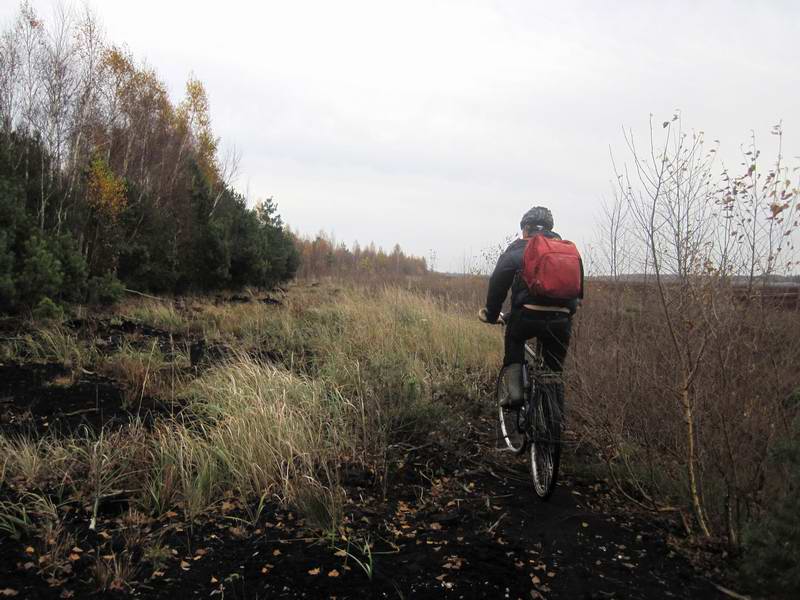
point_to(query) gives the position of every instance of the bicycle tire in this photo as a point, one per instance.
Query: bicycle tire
(545, 447)
(514, 439)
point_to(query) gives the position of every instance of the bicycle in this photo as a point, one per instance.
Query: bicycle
(536, 424)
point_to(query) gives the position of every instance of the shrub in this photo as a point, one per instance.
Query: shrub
(35, 265)
(41, 274)
(7, 288)
(73, 267)
(772, 543)
(106, 289)
(47, 310)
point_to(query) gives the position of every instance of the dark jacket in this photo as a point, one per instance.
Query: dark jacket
(506, 275)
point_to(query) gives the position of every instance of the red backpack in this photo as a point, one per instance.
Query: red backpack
(552, 268)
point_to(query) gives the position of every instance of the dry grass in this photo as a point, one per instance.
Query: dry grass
(146, 373)
(50, 342)
(161, 314)
(357, 372)
(627, 407)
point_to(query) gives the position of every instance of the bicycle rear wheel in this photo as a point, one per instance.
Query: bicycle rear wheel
(546, 444)
(513, 438)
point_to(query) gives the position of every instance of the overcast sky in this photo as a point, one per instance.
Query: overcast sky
(436, 124)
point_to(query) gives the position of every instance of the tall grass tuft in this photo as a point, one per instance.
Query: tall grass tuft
(270, 430)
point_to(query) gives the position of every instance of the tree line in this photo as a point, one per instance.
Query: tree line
(323, 256)
(106, 183)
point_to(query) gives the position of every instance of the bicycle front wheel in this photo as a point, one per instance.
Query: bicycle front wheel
(546, 444)
(510, 430)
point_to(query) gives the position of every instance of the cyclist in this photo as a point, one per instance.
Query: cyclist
(548, 320)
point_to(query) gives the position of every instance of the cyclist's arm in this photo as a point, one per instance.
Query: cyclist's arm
(499, 283)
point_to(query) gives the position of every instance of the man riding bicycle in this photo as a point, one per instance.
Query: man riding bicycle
(548, 319)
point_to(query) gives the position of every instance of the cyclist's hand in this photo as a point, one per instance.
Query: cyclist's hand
(483, 315)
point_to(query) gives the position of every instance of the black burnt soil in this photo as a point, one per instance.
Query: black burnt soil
(48, 397)
(451, 523)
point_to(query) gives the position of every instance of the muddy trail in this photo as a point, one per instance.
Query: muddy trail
(445, 521)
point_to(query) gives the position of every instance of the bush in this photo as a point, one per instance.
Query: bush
(73, 266)
(47, 310)
(35, 265)
(772, 544)
(7, 288)
(41, 274)
(105, 290)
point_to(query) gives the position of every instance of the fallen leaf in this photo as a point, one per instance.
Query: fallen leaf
(314, 572)
(536, 580)
(29, 550)
(214, 579)
(238, 532)
(340, 553)
(276, 552)
(74, 556)
(435, 526)
(333, 573)
(171, 514)
(8, 592)
(185, 565)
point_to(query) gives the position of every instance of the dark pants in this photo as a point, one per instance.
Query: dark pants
(551, 328)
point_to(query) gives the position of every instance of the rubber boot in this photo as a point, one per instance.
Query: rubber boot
(513, 375)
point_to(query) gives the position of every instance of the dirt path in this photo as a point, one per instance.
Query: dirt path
(454, 526)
